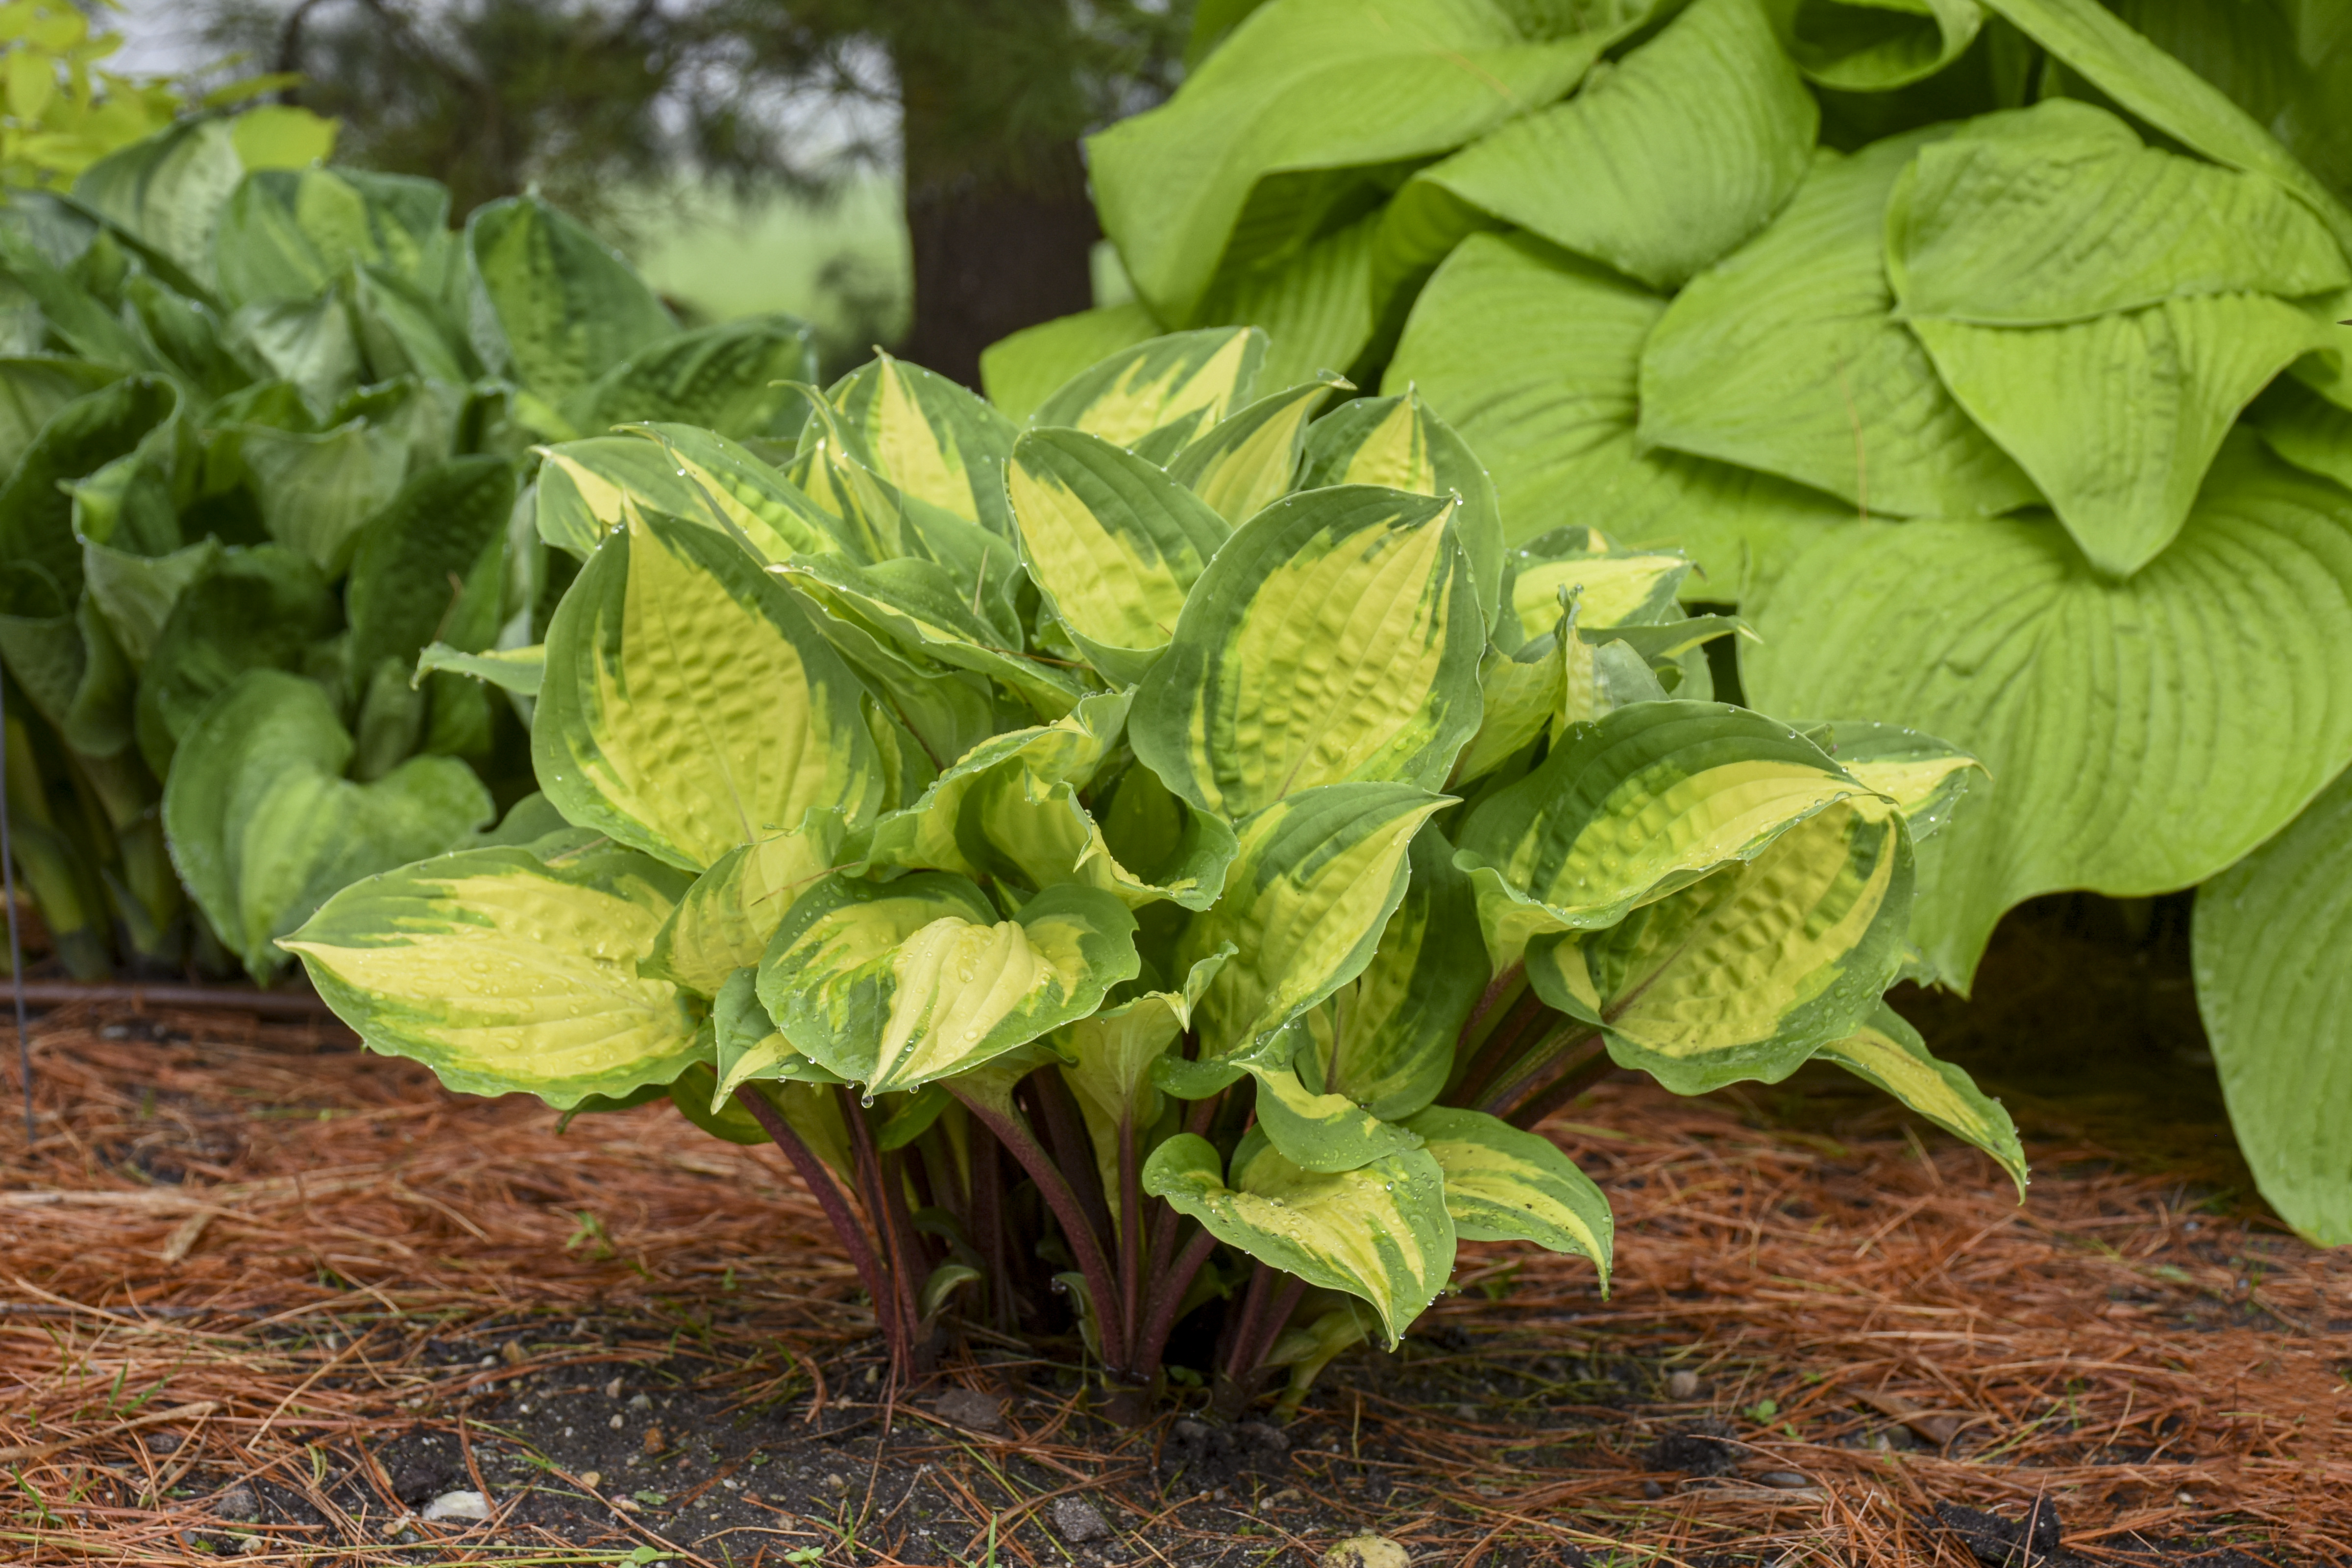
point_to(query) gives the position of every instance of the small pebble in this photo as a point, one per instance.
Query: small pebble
(837, 1481)
(1682, 1386)
(614, 1423)
(592, 1479)
(471, 1508)
(641, 1402)
(1786, 1480)
(162, 1442)
(246, 1545)
(970, 1407)
(657, 1440)
(1079, 1521)
(1653, 1490)
(613, 1389)
(238, 1503)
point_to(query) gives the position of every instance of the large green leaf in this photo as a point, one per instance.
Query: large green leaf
(1876, 46)
(1503, 1184)
(317, 491)
(689, 705)
(1750, 970)
(2117, 418)
(1924, 777)
(1626, 811)
(1316, 879)
(1380, 1232)
(2271, 936)
(167, 190)
(2043, 215)
(1401, 444)
(82, 436)
(2142, 735)
(1160, 394)
(552, 306)
(896, 985)
(1315, 305)
(1316, 93)
(309, 342)
(263, 826)
(258, 607)
(1334, 636)
(1787, 357)
(511, 970)
(1112, 542)
(1386, 1039)
(2144, 81)
(584, 490)
(728, 378)
(1665, 162)
(426, 558)
(745, 495)
(32, 388)
(1535, 357)
(1887, 1051)
(288, 234)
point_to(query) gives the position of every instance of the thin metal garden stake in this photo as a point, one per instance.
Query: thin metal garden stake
(16, 942)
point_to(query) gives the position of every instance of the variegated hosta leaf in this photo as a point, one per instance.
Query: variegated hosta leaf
(1108, 1059)
(1322, 1131)
(1107, 1056)
(1009, 809)
(583, 486)
(1747, 972)
(1380, 1232)
(1503, 1184)
(944, 711)
(750, 1047)
(1924, 777)
(744, 495)
(1401, 444)
(921, 606)
(893, 984)
(1613, 588)
(882, 523)
(690, 707)
(723, 923)
(1112, 542)
(1888, 1052)
(1314, 883)
(1385, 1040)
(511, 970)
(1160, 395)
(1335, 637)
(930, 437)
(1625, 811)
(1245, 463)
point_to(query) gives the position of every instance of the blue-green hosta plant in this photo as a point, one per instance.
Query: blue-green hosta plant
(263, 425)
(1985, 354)
(1170, 854)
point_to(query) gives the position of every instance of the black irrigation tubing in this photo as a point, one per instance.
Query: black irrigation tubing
(16, 942)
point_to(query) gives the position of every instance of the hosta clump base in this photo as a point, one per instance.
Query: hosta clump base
(1161, 862)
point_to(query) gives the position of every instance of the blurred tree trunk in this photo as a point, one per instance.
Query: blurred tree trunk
(995, 192)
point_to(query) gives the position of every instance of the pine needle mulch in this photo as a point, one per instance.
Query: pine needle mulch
(241, 1253)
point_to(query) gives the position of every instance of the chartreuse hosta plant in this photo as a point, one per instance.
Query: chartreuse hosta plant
(263, 425)
(1171, 854)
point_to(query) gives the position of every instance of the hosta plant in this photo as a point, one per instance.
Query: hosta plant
(1170, 855)
(264, 425)
(1987, 355)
